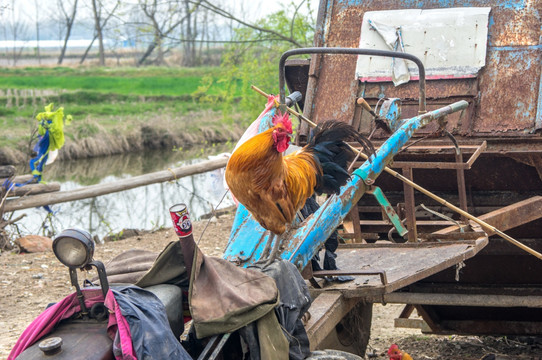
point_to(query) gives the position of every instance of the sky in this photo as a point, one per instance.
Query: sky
(25, 11)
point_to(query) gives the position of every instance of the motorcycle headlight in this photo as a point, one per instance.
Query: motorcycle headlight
(74, 248)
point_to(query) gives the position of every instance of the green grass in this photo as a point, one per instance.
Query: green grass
(101, 99)
(147, 81)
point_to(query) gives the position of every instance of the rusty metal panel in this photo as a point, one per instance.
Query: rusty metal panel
(514, 23)
(81, 340)
(509, 84)
(504, 99)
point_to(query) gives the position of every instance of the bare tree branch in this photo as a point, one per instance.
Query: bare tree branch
(206, 4)
(101, 26)
(159, 33)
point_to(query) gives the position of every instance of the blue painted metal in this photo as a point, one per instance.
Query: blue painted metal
(248, 238)
(388, 209)
(391, 112)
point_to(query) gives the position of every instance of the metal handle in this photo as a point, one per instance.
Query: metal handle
(352, 51)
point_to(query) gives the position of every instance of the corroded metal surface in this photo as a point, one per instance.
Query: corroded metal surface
(509, 84)
(504, 99)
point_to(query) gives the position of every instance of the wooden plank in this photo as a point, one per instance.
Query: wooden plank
(404, 264)
(34, 189)
(508, 217)
(351, 225)
(7, 171)
(20, 179)
(492, 300)
(325, 313)
(120, 185)
(412, 324)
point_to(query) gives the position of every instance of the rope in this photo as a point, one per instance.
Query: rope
(209, 221)
(174, 176)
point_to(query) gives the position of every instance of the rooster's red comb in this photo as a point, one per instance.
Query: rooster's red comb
(283, 119)
(393, 349)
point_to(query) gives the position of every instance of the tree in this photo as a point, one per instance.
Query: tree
(164, 19)
(99, 26)
(261, 29)
(190, 34)
(14, 28)
(68, 19)
(252, 58)
(36, 6)
(98, 30)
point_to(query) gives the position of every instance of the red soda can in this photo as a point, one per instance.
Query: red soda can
(181, 220)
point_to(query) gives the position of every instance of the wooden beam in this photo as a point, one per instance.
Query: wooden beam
(34, 189)
(120, 185)
(326, 311)
(482, 300)
(507, 217)
(18, 179)
(7, 171)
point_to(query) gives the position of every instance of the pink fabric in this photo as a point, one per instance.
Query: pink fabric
(47, 320)
(117, 322)
(253, 128)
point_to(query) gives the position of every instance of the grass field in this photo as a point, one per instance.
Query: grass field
(155, 81)
(114, 100)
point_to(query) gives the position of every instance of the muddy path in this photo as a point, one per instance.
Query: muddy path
(28, 282)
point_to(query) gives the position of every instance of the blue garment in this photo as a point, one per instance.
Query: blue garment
(152, 337)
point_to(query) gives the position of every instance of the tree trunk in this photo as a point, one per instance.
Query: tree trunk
(87, 51)
(149, 51)
(188, 56)
(37, 32)
(69, 24)
(99, 33)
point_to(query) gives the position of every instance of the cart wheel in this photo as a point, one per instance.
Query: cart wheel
(352, 333)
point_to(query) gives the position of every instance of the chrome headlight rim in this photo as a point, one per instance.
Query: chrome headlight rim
(74, 248)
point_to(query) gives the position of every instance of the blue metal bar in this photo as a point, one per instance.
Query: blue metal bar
(248, 238)
(305, 242)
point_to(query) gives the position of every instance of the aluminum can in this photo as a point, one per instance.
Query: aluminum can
(181, 220)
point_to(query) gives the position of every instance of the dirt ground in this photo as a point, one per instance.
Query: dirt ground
(28, 282)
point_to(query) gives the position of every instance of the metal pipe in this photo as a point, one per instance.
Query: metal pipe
(461, 299)
(351, 51)
(304, 241)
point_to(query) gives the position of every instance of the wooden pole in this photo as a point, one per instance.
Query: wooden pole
(34, 189)
(433, 196)
(121, 185)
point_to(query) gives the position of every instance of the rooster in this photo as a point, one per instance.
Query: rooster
(395, 354)
(273, 187)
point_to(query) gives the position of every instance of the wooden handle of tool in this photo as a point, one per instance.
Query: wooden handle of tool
(361, 101)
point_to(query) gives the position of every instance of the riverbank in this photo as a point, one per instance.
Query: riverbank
(166, 131)
(116, 110)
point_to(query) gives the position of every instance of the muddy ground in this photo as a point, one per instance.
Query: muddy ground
(28, 282)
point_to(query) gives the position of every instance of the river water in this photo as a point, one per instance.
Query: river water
(140, 208)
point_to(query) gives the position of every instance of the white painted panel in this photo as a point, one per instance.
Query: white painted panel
(450, 42)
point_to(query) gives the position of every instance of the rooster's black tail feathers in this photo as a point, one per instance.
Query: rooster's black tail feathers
(329, 146)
